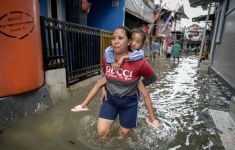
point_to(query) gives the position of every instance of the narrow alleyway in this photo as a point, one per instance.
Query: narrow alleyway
(181, 97)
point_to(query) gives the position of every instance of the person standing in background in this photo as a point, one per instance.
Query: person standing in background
(168, 51)
(155, 49)
(176, 50)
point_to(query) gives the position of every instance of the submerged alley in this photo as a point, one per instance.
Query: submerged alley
(182, 97)
(52, 53)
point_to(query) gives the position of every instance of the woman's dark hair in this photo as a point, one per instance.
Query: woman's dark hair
(141, 32)
(128, 33)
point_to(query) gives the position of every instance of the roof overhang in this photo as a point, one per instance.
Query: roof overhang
(196, 3)
(202, 3)
(181, 12)
(139, 9)
(182, 15)
(203, 18)
(138, 16)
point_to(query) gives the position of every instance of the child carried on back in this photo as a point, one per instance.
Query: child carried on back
(136, 53)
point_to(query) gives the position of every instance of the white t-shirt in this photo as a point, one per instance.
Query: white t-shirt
(169, 49)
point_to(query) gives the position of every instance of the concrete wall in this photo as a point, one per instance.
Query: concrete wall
(56, 84)
(16, 107)
(223, 59)
(232, 108)
(223, 52)
(103, 16)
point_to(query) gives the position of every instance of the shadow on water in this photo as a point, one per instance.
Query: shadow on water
(181, 97)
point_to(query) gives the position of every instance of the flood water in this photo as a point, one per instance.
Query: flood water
(181, 97)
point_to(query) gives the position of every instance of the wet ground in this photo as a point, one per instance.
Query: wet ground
(181, 97)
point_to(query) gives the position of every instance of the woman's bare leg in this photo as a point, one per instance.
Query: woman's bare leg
(103, 127)
(123, 133)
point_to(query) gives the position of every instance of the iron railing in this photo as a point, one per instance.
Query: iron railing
(53, 51)
(73, 46)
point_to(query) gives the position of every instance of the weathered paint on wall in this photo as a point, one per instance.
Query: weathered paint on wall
(15, 107)
(102, 15)
(43, 8)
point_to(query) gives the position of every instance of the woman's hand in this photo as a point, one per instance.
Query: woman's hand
(103, 94)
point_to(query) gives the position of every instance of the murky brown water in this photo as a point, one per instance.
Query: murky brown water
(181, 97)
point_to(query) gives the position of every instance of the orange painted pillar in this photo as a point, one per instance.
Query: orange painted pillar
(21, 63)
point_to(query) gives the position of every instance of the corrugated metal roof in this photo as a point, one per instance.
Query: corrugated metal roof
(139, 9)
(202, 3)
(182, 13)
(203, 18)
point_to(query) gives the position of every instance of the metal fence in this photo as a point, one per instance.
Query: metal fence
(73, 46)
(53, 51)
(105, 41)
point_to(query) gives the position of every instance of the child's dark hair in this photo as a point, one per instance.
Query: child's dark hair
(141, 32)
(128, 33)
